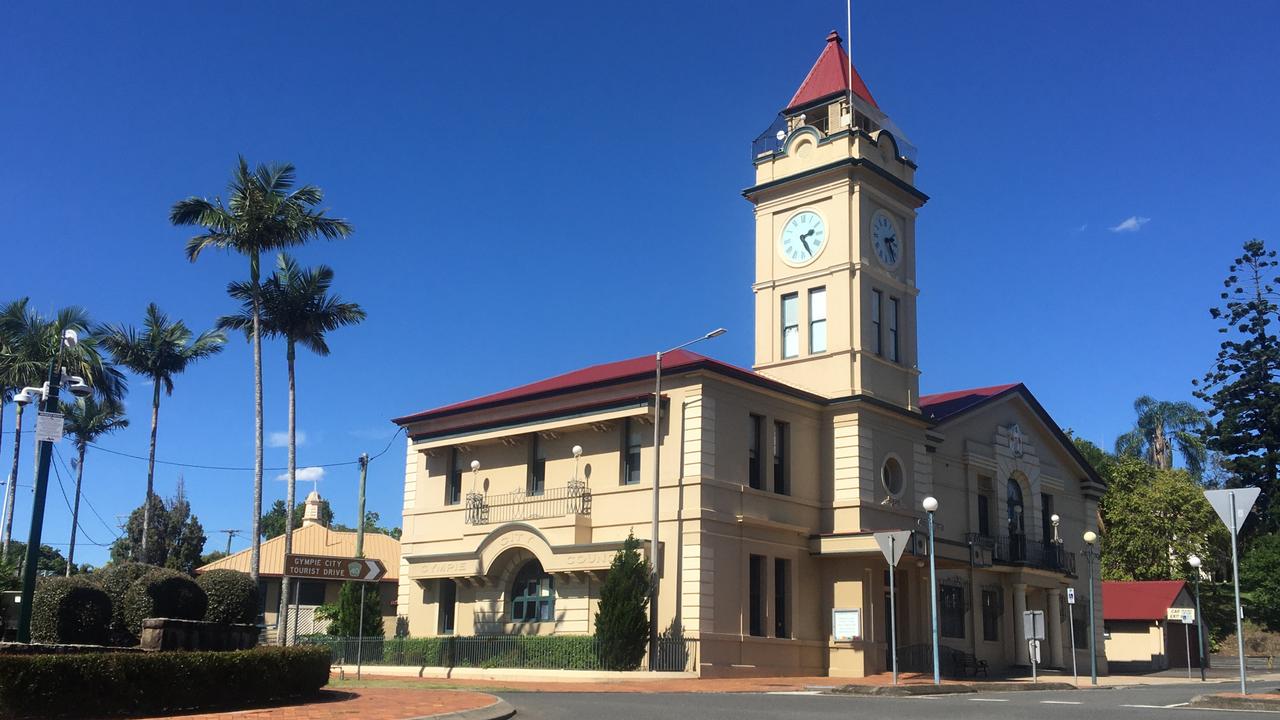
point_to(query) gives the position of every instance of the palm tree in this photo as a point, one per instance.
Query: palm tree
(31, 343)
(86, 421)
(163, 349)
(1161, 426)
(264, 213)
(295, 304)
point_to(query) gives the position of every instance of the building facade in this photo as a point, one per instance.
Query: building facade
(772, 481)
(1141, 630)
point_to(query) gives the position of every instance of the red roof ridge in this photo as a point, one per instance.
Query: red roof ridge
(829, 76)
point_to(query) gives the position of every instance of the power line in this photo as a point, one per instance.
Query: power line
(58, 474)
(232, 468)
(84, 496)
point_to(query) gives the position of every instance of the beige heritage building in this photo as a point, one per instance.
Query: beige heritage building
(772, 480)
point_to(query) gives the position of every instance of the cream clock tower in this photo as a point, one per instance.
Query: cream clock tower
(835, 206)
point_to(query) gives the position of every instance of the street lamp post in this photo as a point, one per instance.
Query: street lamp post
(1060, 559)
(930, 505)
(1090, 537)
(1194, 561)
(653, 530)
(44, 455)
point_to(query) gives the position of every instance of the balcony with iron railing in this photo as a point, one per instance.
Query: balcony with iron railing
(1023, 551)
(485, 509)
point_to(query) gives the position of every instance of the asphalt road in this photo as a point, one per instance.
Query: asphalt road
(1134, 703)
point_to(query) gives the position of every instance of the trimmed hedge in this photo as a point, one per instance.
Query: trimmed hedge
(233, 598)
(540, 652)
(156, 683)
(116, 580)
(70, 610)
(163, 593)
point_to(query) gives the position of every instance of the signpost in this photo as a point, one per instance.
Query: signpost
(326, 567)
(1233, 507)
(1071, 623)
(892, 544)
(1186, 616)
(1033, 629)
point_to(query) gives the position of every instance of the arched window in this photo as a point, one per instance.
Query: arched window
(891, 476)
(533, 594)
(1015, 507)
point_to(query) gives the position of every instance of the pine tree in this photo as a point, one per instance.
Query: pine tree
(1243, 388)
(622, 622)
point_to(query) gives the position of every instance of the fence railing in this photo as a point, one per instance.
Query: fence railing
(1021, 550)
(573, 498)
(531, 652)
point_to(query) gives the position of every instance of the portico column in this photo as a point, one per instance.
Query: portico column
(1020, 655)
(1053, 627)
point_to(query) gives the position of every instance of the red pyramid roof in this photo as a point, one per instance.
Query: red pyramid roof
(830, 75)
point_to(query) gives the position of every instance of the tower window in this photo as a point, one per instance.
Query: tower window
(755, 477)
(893, 329)
(453, 480)
(877, 341)
(790, 325)
(818, 320)
(631, 452)
(537, 467)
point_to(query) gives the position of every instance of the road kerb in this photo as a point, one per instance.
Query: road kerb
(499, 710)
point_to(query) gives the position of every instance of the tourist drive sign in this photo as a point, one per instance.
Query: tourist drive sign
(324, 567)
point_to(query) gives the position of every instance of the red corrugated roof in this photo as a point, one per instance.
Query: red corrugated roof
(829, 76)
(940, 406)
(604, 374)
(1139, 600)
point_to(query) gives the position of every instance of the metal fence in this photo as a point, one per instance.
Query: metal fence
(533, 652)
(573, 498)
(1021, 550)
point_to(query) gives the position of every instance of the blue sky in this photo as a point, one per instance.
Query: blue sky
(520, 176)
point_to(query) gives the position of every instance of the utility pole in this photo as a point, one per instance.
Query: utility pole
(230, 534)
(364, 472)
(44, 454)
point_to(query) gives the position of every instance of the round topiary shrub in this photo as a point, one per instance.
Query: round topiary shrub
(233, 598)
(70, 610)
(163, 593)
(116, 579)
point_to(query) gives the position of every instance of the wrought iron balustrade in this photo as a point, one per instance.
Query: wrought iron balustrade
(1022, 550)
(572, 499)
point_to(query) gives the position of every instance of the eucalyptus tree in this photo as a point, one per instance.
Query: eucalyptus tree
(264, 212)
(1161, 426)
(161, 350)
(31, 342)
(85, 421)
(295, 305)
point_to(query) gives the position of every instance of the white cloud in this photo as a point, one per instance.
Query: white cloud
(1133, 223)
(281, 439)
(305, 474)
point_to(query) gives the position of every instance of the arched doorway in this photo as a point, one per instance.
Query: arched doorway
(1016, 522)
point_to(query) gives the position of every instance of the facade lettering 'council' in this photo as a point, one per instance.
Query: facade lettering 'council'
(774, 479)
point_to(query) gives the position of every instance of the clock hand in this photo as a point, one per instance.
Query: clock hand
(806, 245)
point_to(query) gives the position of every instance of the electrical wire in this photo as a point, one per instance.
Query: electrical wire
(58, 474)
(232, 468)
(85, 497)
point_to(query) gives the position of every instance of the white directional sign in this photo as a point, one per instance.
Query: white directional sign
(1186, 616)
(1221, 502)
(48, 426)
(892, 544)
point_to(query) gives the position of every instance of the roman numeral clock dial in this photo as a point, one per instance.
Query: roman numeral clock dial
(803, 237)
(885, 239)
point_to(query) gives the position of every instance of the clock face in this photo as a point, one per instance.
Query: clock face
(803, 237)
(885, 239)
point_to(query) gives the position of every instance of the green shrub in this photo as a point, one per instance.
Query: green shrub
(115, 580)
(70, 610)
(622, 622)
(233, 598)
(156, 683)
(163, 593)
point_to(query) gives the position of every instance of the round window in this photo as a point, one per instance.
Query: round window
(891, 476)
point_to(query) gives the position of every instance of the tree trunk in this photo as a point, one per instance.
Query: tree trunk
(11, 488)
(75, 514)
(289, 493)
(151, 465)
(255, 554)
